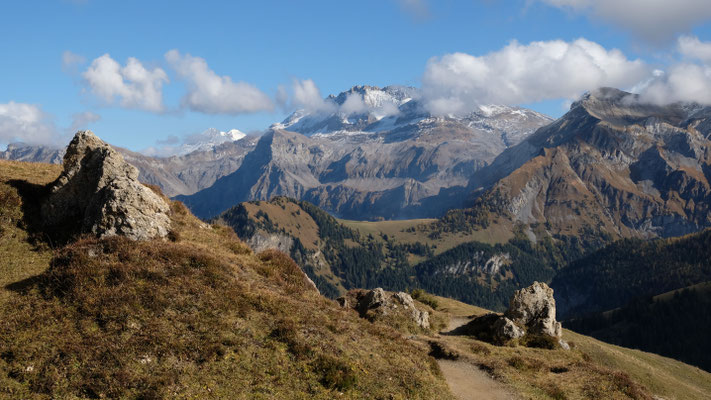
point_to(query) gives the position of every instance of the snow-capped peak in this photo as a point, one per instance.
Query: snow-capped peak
(206, 140)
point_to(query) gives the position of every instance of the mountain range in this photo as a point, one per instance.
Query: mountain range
(369, 153)
(611, 167)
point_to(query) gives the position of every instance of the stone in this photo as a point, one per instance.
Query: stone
(376, 303)
(373, 299)
(534, 308)
(503, 330)
(492, 328)
(99, 193)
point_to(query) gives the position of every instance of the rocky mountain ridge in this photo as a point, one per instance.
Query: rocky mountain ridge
(388, 159)
(611, 167)
(369, 153)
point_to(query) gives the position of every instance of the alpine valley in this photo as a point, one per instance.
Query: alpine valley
(372, 191)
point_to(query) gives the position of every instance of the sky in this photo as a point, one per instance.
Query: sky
(142, 74)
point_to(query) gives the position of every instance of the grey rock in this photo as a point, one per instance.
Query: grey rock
(98, 192)
(534, 308)
(493, 328)
(264, 241)
(375, 298)
(377, 303)
(504, 330)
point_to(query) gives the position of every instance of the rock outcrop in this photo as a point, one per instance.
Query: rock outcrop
(378, 304)
(534, 308)
(98, 192)
(531, 313)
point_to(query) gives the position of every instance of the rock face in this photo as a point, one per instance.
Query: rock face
(99, 193)
(534, 308)
(378, 304)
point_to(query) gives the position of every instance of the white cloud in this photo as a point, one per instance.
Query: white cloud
(133, 84)
(691, 47)
(71, 60)
(307, 96)
(82, 120)
(214, 94)
(519, 74)
(354, 104)
(688, 80)
(684, 82)
(21, 122)
(655, 20)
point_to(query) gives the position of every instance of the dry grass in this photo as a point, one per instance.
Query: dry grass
(198, 316)
(591, 370)
(290, 217)
(406, 231)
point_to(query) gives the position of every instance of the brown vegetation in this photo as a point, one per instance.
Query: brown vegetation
(197, 316)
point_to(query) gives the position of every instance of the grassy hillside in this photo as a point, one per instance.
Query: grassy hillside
(201, 316)
(340, 255)
(196, 317)
(419, 230)
(335, 256)
(590, 370)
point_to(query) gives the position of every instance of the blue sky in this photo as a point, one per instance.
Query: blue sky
(268, 44)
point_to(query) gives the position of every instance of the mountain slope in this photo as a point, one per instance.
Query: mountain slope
(623, 271)
(338, 258)
(651, 295)
(199, 317)
(674, 324)
(609, 168)
(369, 164)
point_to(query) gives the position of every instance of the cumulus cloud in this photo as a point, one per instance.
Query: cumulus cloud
(133, 85)
(21, 122)
(214, 94)
(655, 20)
(682, 82)
(688, 80)
(519, 74)
(82, 121)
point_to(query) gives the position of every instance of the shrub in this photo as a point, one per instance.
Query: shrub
(335, 373)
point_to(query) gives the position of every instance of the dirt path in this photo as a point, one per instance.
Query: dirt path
(467, 381)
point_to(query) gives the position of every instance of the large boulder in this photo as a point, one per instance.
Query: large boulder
(493, 328)
(530, 319)
(534, 308)
(377, 304)
(99, 193)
